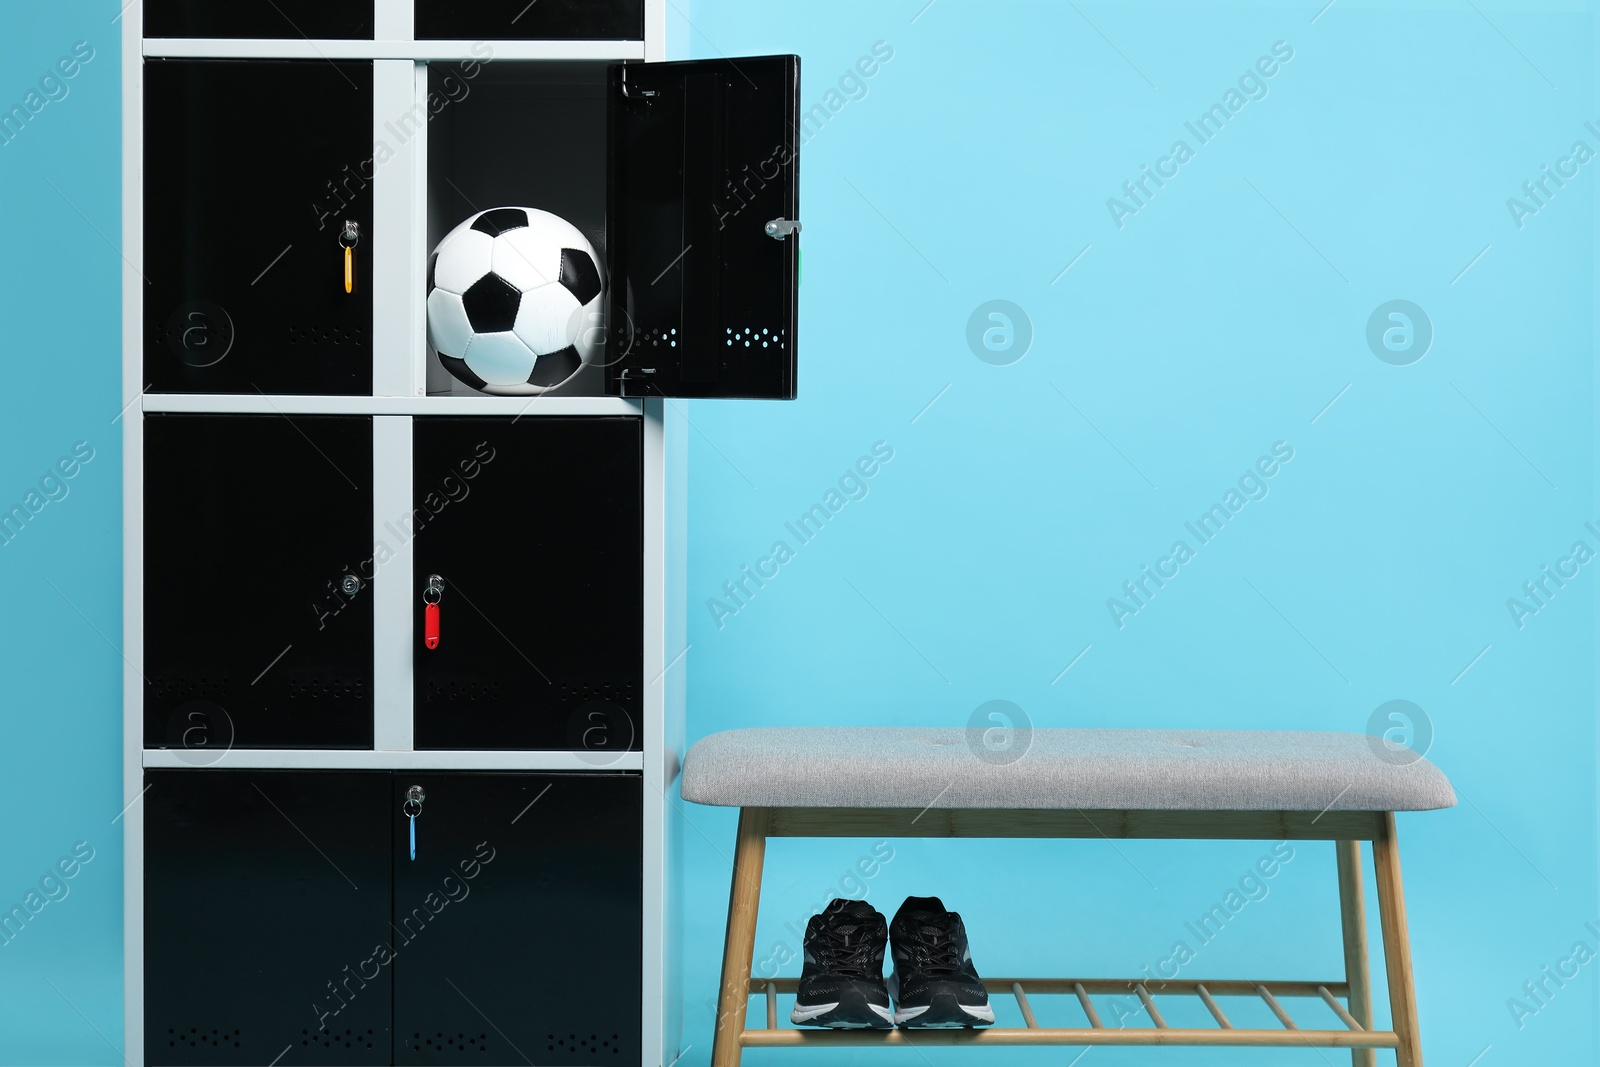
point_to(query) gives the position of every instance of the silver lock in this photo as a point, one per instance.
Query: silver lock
(778, 229)
(351, 235)
(415, 796)
(351, 585)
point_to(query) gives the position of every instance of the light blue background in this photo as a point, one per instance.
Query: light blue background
(60, 302)
(1223, 317)
(977, 167)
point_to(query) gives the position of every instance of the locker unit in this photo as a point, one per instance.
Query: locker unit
(245, 222)
(246, 926)
(496, 650)
(260, 177)
(251, 522)
(406, 661)
(357, 953)
(563, 879)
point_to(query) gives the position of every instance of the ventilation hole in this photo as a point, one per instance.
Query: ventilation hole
(181, 688)
(578, 693)
(320, 335)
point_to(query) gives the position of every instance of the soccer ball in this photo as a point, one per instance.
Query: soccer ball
(514, 301)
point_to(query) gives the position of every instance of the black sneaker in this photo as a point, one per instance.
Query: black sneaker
(934, 983)
(841, 984)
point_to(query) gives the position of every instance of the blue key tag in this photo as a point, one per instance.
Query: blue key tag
(411, 809)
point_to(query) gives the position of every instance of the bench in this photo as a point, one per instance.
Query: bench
(1080, 783)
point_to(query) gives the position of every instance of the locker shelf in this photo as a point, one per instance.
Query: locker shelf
(419, 51)
(513, 406)
(366, 760)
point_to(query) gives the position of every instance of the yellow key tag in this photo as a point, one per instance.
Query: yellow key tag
(349, 239)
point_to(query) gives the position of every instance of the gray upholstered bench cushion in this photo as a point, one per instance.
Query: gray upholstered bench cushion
(1133, 770)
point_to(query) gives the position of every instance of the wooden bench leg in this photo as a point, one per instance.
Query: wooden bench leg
(738, 949)
(1353, 921)
(1396, 943)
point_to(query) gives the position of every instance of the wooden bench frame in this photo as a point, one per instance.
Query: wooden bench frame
(1345, 828)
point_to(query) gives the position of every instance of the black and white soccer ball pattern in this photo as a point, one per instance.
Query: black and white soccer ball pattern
(514, 301)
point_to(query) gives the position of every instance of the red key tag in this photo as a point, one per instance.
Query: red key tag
(431, 595)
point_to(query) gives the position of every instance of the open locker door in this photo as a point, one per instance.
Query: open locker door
(703, 199)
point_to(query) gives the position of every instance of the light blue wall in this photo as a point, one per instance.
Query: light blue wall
(60, 300)
(1223, 317)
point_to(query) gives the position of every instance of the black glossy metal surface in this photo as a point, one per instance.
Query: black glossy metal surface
(519, 20)
(293, 19)
(519, 923)
(251, 524)
(492, 144)
(702, 156)
(266, 893)
(252, 168)
(536, 527)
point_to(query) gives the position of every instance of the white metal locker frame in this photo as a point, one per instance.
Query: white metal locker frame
(398, 272)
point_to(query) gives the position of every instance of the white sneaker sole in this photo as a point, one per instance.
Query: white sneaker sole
(981, 1013)
(805, 1013)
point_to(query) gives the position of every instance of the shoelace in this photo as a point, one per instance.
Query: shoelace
(846, 950)
(935, 950)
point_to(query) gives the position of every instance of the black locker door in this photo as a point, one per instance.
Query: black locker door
(251, 525)
(519, 20)
(519, 924)
(704, 177)
(295, 19)
(252, 170)
(267, 898)
(535, 528)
